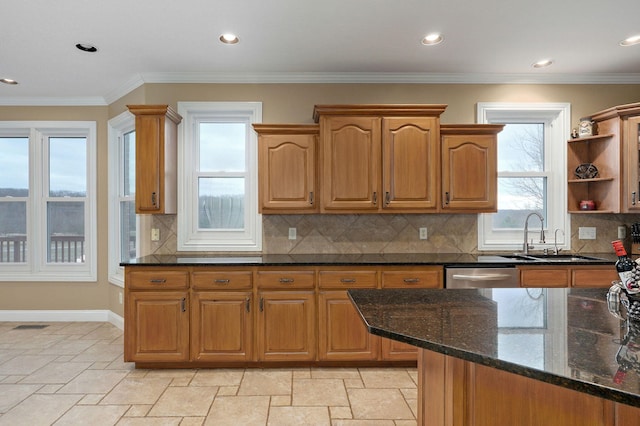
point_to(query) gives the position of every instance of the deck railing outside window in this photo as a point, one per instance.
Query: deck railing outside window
(63, 249)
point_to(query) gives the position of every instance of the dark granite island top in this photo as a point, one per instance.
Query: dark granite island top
(563, 336)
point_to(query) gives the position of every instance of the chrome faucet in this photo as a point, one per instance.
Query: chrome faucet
(526, 246)
(556, 250)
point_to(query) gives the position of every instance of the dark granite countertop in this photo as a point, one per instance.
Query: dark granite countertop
(447, 259)
(562, 336)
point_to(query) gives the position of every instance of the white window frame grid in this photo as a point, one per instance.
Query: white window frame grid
(118, 127)
(36, 267)
(557, 126)
(190, 237)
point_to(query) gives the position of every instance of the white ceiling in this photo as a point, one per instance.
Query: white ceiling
(306, 41)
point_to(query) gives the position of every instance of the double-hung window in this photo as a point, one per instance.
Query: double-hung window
(48, 201)
(531, 175)
(218, 177)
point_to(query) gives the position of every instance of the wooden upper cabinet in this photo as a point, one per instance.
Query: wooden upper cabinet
(156, 158)
(410, 163)
(287, 168)
(469, 167)
(377, 158)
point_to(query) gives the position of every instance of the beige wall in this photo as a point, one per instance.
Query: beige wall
(286, 103)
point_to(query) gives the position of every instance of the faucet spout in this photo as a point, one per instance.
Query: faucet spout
(556, 250)
(526, 246)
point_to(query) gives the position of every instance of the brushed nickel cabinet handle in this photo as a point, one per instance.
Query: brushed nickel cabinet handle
(633, 198)
(286, 280)
(154, 199)
(157, 280)
(387, 198)
(446, 198)
(221, 281)
(411, 280)
(375, 198)
(261, 304)
(311, 197)
(183, 304)
(248, 304)
(347, 280)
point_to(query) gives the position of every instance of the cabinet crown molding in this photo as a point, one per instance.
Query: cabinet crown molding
(388, 110)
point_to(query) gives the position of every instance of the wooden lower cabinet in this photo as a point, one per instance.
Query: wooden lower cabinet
(342, 336)
(221, 326)
(593, 276)
(286, 326)
(454, 392)
(567, 276)
(156, 326)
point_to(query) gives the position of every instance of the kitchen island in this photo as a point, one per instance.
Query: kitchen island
(513, 356)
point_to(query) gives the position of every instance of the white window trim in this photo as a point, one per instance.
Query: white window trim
(36, 268)
(118, 126)
(558, 114)
(189, 238)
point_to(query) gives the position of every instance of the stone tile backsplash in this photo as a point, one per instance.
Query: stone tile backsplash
(388, 233)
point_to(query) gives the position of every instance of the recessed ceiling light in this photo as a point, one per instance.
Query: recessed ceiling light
(229, 38)
(8, 81)
(630, 41)
(543, 63)
(86, 47)
(432, 39)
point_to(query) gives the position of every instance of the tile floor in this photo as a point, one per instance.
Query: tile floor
(73, 374)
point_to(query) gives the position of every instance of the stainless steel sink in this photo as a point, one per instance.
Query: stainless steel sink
(560, 258)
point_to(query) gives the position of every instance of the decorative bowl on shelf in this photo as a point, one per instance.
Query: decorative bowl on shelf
(586, 171)
(587, 205)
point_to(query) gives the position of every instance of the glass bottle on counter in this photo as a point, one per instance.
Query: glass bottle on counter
(626, 268)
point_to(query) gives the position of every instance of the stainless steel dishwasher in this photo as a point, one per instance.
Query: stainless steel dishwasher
(472, 277)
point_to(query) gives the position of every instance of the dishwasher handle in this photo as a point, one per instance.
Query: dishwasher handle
(487, 277)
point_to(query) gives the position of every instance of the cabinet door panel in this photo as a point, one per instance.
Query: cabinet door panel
(221, 326)
(351, 162)
(287, 326)
(410, 162)
(342, 334)
(287, 165)
(469, 172)
(158, 327)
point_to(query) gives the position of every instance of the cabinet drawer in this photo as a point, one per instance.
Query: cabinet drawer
(158, 279)
(540, 277)
(347, 279)
(594, 277)
(221, 280)
(286, 279)
(418, 278)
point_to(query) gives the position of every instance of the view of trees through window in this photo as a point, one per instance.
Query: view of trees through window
(522, 180)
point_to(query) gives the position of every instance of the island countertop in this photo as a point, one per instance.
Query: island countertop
(562, 336)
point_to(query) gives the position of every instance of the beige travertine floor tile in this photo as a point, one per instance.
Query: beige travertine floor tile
(137, 391)
(81, 328)
(410, 393)
(362, 423)
(318, 392)
(92, 415)
(216, 377)
(353, 383)
(68, 347)
(184, 402)
(149, 421)
(94, 381)
(386, 378)
(39, 410)
(138, 410)
(303, 373)
(228, 390)
(335, 373)
(379, 404)
(296, 416)
(13, 379)
(280, 400)
(91, 399)
(413, 373)
(238, 410)
(413, 404)
(192, 421)
(340, 413)
(266, 382)
(100, 365)
(406, 423)
(57, 372)
(50, 388)
(25, 364)
(100, 352)
(11, 395)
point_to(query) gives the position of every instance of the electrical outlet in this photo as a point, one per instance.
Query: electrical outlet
(587, 233)
(292, 234)
(622, 232)
(155, 234)
(120, 297)
(423, 233)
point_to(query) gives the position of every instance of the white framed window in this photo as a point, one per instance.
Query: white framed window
(123, 221)
(532, 175)
(218, 177)
(48, 201)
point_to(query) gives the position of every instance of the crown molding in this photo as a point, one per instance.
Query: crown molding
(125, 88)
(53, 101)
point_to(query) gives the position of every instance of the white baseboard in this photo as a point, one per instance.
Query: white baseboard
(97, 315)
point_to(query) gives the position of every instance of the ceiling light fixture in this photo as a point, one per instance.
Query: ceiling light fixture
(432, 39)
(229, 38)
(630, 41)
(543, 63)
(8, 81)
(85, 47)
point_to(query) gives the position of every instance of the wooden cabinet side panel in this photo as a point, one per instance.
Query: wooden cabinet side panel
(351, 154)
(410, 163)
(631, 183)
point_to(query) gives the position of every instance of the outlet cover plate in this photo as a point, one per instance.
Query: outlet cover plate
(292, 233)
(587, 233)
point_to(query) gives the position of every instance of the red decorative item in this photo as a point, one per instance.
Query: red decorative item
(587, 205)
